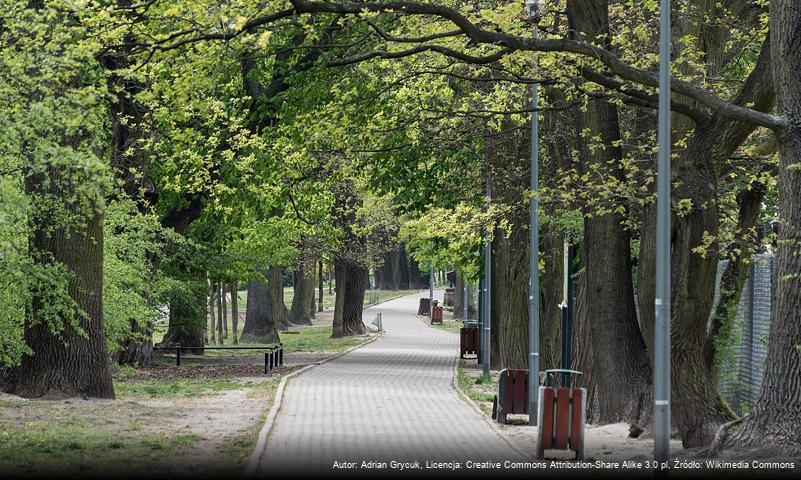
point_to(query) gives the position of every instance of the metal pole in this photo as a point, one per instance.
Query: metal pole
(662, 298)
(567, 315)
(465, 299)
(487, 297)
(480, 306)
(431, 293)
(534, 260)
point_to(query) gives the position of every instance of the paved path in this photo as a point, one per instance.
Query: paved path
(392, 399)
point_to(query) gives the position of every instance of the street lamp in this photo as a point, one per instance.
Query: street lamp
(662, 298)
(534, 15)
(533, 11)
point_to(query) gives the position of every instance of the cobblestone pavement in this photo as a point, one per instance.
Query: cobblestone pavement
(392, 399)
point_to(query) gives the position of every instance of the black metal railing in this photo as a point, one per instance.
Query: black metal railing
(273, 357)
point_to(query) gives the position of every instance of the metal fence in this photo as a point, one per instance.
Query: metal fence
(743, 355)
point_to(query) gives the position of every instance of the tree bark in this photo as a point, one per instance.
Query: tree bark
(774, 423)
(259, 324)
(220, 314)
(510, 297)
(621, 368)
(320, 303)
(458, 299)
(749, 201)
(235, 311)
(69, 362)
(280, 314)
(212, 316)
(351, 281)
(224, 310)
(303, 300)
(187, 322)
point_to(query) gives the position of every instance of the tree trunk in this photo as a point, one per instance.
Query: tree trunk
(775, 422)
(235, 311)
(320, 304)
(620, 368)
(259, 324)
(224, 310)
(303, 299)
(187, 324)
(275, 277)
(403, 268)
(313, 304)
(69, 362)
(510, 297)
(351, 284)
(135, 351)
(458, 299)
(749, 201)
(212, 316)
(220, 314)
(583, 351)
(551, 298)
(416, 279)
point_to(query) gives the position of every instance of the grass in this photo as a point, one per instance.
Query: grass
(109, 438)
(177, 388)
(478, 387)
(77, 445)
(448, 325)
(299, 339)
(328, 302)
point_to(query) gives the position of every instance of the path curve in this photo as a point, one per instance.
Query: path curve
(391, 400)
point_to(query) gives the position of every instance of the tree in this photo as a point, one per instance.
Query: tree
(62, 176)
(260, 325)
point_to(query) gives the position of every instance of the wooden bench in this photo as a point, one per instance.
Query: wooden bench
(512, 395)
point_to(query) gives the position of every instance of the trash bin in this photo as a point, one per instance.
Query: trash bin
(562, 414)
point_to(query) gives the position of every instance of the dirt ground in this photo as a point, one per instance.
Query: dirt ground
(611, 443)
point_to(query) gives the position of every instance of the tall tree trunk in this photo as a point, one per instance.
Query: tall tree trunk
(212, 316)
(510, 297)
(775, 422)
(320, 303)
(417, 280)
(620, 368)
(458, 299)
(403, 268)
(69, 362)
(582, 348)
(187, 323)
(220, 314)
(275, 283)
(313, 303)
(224, 310)
(351, 281)
(303, 299)
(235, 311)
(749, 201)
(259, 324)
(551, 298)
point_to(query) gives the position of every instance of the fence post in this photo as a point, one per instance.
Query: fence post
(178, 355)
(265, 361)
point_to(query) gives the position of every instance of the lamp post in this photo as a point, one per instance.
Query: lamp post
(534, 15)
(662, 298)
(487, 335)
(430, 293)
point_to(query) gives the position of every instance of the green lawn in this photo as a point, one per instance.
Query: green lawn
(92, 437)
(303, 342)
